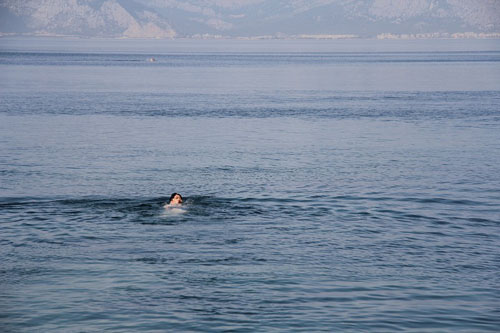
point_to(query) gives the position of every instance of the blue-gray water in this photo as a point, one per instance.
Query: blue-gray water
(330, 186)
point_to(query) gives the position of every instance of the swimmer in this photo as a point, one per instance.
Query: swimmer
(174, 201)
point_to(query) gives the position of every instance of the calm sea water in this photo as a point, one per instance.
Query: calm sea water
(330, 186)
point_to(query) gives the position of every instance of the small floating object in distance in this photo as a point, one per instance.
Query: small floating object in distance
(151, 59)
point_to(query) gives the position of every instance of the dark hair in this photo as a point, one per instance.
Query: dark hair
(173, 195)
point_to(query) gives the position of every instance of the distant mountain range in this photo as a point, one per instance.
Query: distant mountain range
(249, 18)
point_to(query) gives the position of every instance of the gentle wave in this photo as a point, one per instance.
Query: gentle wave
(240, 207)
(323, 191)
(296, 104)
(241, 59)
(279, 260)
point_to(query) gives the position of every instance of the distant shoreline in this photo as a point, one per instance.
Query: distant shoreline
(382, 36)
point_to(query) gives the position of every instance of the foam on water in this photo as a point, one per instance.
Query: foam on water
(174, 211)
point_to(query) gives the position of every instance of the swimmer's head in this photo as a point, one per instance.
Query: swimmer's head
(175, 199)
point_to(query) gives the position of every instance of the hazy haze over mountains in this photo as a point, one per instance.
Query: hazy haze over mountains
(246, 18)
